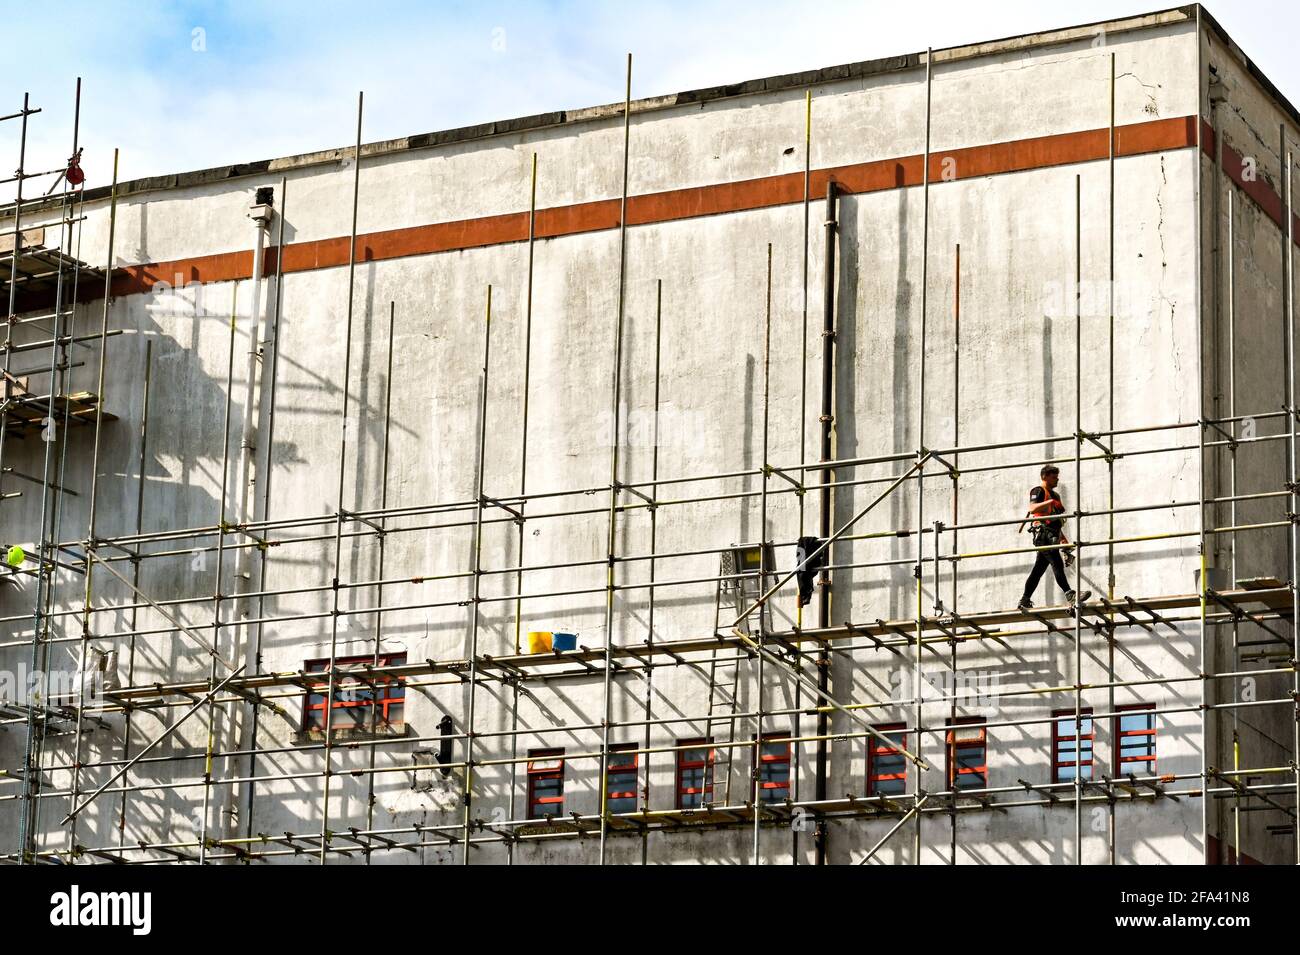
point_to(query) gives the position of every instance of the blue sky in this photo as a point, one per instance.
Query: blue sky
(187, 85)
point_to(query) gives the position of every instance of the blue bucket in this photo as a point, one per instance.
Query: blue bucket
(564, 641)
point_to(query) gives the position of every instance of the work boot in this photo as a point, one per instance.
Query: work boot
(1075, 598)
(1025, 604)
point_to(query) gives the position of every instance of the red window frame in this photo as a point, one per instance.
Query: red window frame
(1149, 758)
(625, 769)
(351, 695)
(1066, 740)
(957, 743)
(773, 790)
(877, 750)
(545, 766)
(693, 797)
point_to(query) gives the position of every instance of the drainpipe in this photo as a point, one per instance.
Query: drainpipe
(260, 212)
(824, 527)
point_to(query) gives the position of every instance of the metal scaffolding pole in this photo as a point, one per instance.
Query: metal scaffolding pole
(476, 603)
(1078, 519)
(647, 705)
(921, 452)
(797, 764)
(762, 563)
(91, 540)
(523, 482)
(331, 679)
(615, 424)
(379, 588)
(1293, 422)
(217, 573)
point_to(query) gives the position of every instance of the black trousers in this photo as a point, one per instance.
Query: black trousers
(1046, 557)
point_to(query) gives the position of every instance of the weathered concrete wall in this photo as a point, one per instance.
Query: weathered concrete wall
(1244, 327)
(1016, 382)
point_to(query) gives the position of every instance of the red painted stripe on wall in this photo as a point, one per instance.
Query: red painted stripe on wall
(1247, 176)
(975, 161)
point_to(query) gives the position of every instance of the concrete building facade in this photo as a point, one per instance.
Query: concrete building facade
(1071, 247)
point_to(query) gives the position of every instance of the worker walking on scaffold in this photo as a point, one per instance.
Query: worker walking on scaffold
(1044, 501)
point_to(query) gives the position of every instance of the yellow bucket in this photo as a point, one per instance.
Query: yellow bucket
(539, 641)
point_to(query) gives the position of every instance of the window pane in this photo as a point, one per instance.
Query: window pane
(1130, 722)
(621, 783)
(969, 758)
(889, 765)
(776, 750)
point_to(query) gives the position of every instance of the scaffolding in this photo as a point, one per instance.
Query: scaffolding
(745, 637)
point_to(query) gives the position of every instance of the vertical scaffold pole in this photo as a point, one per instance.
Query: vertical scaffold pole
(921, 452)
(1292, 418)
(795, 770)
(20, 178)
(954, 473)
(1232, 493)
(764, 570)
(383, 553)
(332, 679)
(523, 496)
(1203, 634)
(475, 611)
(616, 421)
(224, 528)
(91, 543)
(825, 505)
(26, 829)
(1078, 518)
(1110, 418)
(654, 536)
(46, 543)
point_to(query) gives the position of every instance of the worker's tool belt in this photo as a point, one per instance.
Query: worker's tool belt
(1045, 535)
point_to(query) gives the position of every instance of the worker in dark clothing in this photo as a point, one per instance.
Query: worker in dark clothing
(1044, 501)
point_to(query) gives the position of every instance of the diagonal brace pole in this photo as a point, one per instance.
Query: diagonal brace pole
(165, 733)
(834, 537)
(90, 555)
(898, 825)
(785, 665)
(811, 684)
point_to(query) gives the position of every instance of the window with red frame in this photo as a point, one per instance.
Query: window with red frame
(694, 773)
(968, 754)
(545, 783)
(361, 700)
(1065, 736)
(620, 778)
(886, 764)
(1135, 739)
(773, 768)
